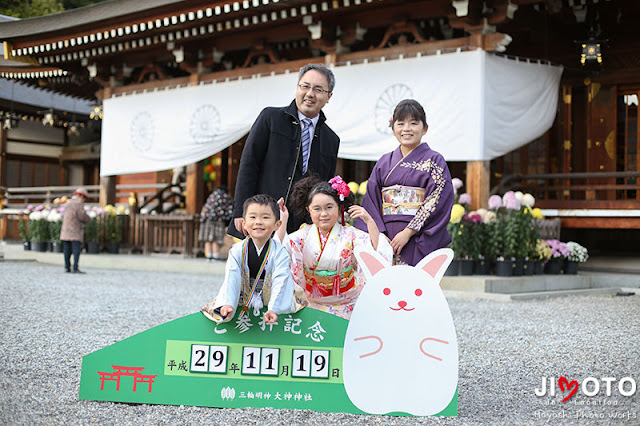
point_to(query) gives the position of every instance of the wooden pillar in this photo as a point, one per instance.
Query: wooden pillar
(3, 154)
(107, 190)
(478, 183)
(565, 116)
(194, 194)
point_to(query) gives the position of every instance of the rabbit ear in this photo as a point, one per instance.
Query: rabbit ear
(436, 263)
(370, 261)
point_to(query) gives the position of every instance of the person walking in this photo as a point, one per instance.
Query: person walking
(72, 233)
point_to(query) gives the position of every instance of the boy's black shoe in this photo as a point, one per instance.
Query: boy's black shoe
(78, 271)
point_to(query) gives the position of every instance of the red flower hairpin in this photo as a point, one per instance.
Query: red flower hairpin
(340, 186)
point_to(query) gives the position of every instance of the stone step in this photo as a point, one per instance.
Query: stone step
(511, 285)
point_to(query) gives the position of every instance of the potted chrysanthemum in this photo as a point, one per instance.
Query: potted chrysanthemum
(542, 255)
(559, 253)
(577, 254)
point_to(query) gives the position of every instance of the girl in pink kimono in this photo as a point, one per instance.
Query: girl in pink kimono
(322, 260)
(409, 193)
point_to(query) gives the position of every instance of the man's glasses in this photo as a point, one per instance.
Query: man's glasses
(317, 89)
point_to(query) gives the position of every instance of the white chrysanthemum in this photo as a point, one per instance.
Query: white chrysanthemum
(35, 216)
(519, 196)
(489, 217)
(91, 214)
(457, 183)
(528, 200)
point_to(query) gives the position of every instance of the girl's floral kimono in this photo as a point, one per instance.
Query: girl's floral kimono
(326, 267)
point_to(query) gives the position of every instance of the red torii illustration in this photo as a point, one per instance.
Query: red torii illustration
(119, 371)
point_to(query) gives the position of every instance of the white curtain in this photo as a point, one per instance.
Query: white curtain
(479, 106)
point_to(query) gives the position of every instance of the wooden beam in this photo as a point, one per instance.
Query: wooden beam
(478, 183)
(194, 193)
(3, 154)
(107, 190)
(601, 222)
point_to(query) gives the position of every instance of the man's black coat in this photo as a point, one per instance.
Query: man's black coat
(271, 160)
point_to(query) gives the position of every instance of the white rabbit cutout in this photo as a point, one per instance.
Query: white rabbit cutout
(400, 349)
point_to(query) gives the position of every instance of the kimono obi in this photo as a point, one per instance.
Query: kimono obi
(323, 281)
(402, 200)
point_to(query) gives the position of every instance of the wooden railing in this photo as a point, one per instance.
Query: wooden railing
(606, 190)
(168, 233)
(20, 198)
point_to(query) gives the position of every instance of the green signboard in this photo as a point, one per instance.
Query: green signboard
(296, 363)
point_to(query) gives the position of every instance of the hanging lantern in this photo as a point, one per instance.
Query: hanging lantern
(10, 121)
(48, 119)
(591, 51)
(96, 112)
(73, 128)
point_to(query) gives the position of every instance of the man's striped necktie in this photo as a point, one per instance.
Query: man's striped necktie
(306, 145)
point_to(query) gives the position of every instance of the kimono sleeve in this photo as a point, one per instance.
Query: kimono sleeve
(363, 239)
(435, 211)
(229, 293)
(294, 245)
(282, 285)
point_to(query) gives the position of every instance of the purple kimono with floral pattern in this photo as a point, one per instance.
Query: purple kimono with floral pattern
(421, 168)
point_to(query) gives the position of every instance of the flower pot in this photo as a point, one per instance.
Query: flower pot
(504, 268)
(453, 269)
(483, 267)
(570, 267)
(466, 267)
(518, 267)
(26, 245)
(527, 268)
(93, 248)
(553, 266)
(538, 267)
(39, 246)
(56, 247)
(113, 248)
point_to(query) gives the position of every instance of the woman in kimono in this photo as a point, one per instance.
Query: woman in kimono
(322, 259)
(409, 193)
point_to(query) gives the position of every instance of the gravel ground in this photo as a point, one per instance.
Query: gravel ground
(49, 320)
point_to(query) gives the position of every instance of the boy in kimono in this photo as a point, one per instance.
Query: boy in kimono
(257, 272)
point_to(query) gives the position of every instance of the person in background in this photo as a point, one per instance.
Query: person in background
(72, 233)
(215, 214)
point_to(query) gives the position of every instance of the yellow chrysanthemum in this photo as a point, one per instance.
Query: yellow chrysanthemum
(363, 188)
(353, 186)
(110, 210)
(537, 213)
(457, 211)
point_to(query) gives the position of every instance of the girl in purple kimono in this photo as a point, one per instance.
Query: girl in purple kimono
(409, 193)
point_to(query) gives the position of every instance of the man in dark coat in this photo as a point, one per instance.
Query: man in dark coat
(279, 151)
